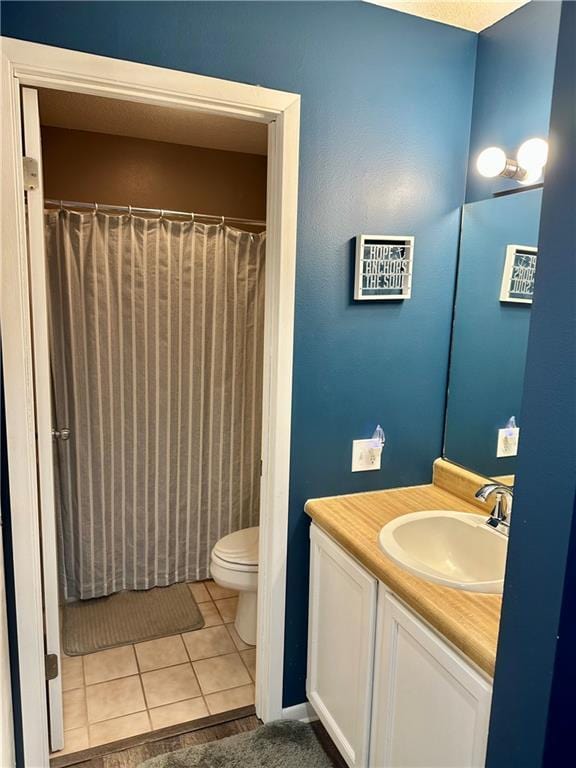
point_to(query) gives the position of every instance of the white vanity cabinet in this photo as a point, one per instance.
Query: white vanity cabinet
(391, 692)
(342, 623)
(430, 707)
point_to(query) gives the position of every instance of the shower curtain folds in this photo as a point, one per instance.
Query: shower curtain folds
(156, 343)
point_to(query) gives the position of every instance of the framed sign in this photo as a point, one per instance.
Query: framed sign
(383, 267)
(518, 276)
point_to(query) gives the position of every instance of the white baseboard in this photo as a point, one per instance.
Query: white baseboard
(303, 712)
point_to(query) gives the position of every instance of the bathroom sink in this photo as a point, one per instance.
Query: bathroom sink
(456, 549)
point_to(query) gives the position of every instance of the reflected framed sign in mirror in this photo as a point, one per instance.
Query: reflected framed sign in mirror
(496, 273)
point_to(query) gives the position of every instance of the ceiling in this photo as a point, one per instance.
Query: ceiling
(474, 15)
(143, 121)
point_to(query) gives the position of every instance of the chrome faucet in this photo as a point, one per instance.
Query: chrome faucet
(501, 513)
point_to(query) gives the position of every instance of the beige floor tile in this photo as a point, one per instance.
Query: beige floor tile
(210, 614)
(74, 740)
(224, 701)
(249, 658)
(238, 642)
(165, 686)
(219, 593)
(119, 728)
(72, 673)
(74, 703)
(227, 608)
(221, 673)
(114, 699)
(110, 664)
(164, 652)
(204, 643)
(180, 712)
(199, 591)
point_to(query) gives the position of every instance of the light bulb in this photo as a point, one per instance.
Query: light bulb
(532, 176)
(491, 162)
(533, 154)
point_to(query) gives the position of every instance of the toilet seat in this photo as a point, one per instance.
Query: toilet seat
(239, 567)
(238, 550)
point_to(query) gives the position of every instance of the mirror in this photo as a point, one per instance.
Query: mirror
(498, 240)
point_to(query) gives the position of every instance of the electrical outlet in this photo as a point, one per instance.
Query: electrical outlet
(507, 442)
(365, 456)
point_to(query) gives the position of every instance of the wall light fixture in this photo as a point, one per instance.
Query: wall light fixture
(526, 169)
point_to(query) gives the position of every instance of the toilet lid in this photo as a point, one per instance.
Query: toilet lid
(239, 547)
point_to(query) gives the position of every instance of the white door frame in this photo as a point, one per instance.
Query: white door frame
(6, 720)
(25, 63)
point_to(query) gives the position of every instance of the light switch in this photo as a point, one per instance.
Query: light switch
(365, 455)
(507, 442)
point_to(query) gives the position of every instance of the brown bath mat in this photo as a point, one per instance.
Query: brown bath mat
(128, 617)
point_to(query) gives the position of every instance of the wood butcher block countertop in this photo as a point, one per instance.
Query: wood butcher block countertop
(468, 620)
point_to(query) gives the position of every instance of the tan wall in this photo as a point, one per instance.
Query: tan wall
(119, 170)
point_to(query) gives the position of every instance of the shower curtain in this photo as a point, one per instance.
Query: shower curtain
(157, 330)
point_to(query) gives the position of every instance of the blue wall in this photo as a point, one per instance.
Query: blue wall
(532, 723)
(513, 89)
(386, 108)
(490, 338)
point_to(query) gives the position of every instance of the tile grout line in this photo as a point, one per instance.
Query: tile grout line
(149, 716)
(117, 717)
(246, 665)
(143, 690)
(113, 679)
(247, 670)
(137, 659)
(232, 688)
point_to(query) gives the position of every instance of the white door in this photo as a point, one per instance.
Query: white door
(430, 708)
(39, 308)
(341, 646)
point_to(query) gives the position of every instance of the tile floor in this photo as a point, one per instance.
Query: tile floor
(132, 689)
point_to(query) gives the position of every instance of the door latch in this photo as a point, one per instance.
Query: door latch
(31, 180)
(51, 664)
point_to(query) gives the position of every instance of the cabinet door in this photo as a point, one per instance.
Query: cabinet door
(341, 646)
(430, 707)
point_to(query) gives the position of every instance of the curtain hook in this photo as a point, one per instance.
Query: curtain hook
(192, 218)
(95, 208)
(129, 210)
(222, 222)
(161, 213)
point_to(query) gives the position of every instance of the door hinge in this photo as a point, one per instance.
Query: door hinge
(51, 664)
(261, 467)
(31, 180)
(61, 434)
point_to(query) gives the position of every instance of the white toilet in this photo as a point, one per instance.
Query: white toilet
(234, 565)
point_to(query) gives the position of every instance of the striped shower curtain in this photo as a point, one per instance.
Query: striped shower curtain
(157, 329)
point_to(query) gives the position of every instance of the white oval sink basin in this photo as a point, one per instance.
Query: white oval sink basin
(456, 549)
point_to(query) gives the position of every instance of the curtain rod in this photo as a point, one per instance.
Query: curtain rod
(130, 209)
